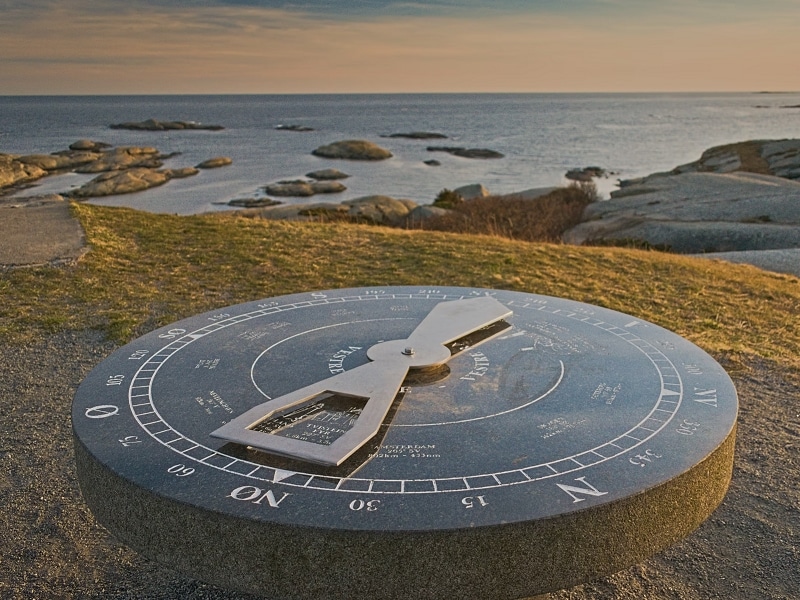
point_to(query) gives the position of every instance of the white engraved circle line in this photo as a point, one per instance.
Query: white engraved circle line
(456, 422)
(479, 480)
(296, 335)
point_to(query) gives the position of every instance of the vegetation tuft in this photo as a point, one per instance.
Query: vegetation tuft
(541, 219)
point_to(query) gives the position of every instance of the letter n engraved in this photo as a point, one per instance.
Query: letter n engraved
(574, 491)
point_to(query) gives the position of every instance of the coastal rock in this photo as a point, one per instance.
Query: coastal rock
(418, 135)
(215, 163)
(298, 128)
(432, 162)
(422, 213)
(180, 173)
(252, 202)
(14, 172)
(126, 157)
(89, 145)
(695, 212)
(298, 212)
(467, 152)
(586, 174)
(128, 181)
(353, 150)
(301, 188)
(61, 161)
(472, 191)
(382, 210)
(327, 175)
(154, 125)
(769, 157)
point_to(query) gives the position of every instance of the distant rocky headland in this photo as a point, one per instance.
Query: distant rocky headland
(154, 125)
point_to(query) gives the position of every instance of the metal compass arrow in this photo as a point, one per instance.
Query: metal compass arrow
(376, 382)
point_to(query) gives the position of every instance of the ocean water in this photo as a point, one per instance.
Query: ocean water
(541, 135)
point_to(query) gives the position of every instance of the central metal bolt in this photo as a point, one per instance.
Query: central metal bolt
(408, 351)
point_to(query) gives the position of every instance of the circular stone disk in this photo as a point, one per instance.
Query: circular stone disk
(574, 443)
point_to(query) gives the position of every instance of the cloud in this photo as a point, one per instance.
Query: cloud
(250, 46)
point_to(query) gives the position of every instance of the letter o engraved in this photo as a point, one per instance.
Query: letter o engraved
(251, 493)
(245, 493)
(180, 470)
(370, 505)
(101, 411)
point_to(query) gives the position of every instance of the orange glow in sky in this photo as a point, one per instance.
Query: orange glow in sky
(141, 46)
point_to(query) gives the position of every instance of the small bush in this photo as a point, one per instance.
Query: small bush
(448, 199)
(541, 219)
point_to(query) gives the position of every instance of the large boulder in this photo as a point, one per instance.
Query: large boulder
(301, 188)
(472, 191)
(353, 150)
(383, 210)
(422, 213)
(327, 175)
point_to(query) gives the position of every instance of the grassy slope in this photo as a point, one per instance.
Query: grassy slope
(148, 270)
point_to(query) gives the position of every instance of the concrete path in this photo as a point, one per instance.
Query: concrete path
(39, 232)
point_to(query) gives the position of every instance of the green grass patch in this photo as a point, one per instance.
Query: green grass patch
(146, 270)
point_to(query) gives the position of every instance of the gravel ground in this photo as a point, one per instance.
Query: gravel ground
(52, 547)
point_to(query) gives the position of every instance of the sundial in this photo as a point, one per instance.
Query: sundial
(401, 442)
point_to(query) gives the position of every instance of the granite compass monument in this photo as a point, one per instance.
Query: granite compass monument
(401, 442)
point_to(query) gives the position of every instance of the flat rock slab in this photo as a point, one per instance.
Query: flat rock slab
(39, 235)
(697, 212)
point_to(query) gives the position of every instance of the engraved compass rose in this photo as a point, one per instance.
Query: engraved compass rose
(402, 442)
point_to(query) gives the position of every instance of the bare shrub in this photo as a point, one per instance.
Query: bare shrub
(541, 219)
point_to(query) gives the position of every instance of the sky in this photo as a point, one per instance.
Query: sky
(388, 46)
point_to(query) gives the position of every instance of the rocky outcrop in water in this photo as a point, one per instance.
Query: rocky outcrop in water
(467, 152)
(215, 163)
(297, 128)
(327, 175)
(154, 125)
(418, 135)
(353, 150)
(125, 169)
(128, 181)
(301, 188)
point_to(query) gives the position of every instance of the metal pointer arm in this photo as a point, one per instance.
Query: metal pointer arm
(376, 382)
